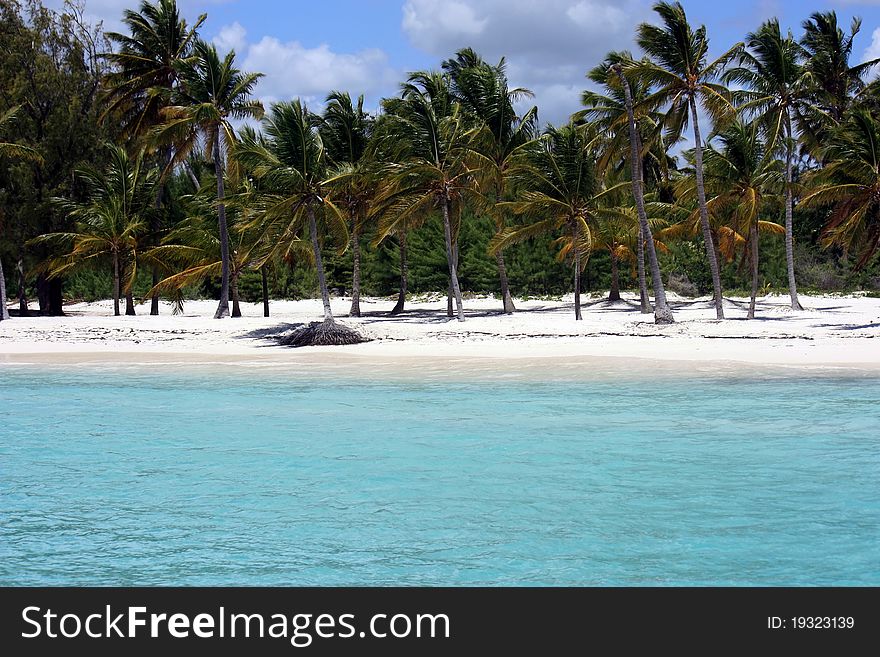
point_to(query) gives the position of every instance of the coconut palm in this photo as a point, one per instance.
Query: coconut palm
(558, 192)
(662, 311)
(677, 65)
(11, 150)
(110, 223)
(143, 75)
(212, 93)
(345, 131)
(292, 169)
(850, 184)
(431, 142)
(484, 94)
(742, 179)
(777, 88)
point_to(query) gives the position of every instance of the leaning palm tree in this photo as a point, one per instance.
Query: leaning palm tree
(109, 223)
(677, 65)
(11, 150)
(426, 131)
(143, 76)
(742, 179)
(292, 168)
(345, 131)
(557, 195)
(850, 185)
(662, 311)
(484, 94)
(212, 93)
(777, 88)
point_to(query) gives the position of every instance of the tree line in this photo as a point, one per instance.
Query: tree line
(134, 154)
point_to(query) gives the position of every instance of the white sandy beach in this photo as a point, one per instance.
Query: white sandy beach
(833, 332)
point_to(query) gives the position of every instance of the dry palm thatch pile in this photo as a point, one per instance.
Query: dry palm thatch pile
(322, 334)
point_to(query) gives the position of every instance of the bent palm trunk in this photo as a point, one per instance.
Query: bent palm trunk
(319, 265)
(451, 259)
(614, 294)
(507, 300)
(643, 278)
(704, 213)
(4, 311)
(116, 312)
(577, 274)
(789, 231)
(404, 275)
(753, 238)
(662, 311)
(223, 306)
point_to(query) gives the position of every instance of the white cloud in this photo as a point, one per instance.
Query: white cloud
(231, 37)
(549, 45)
(873, 52)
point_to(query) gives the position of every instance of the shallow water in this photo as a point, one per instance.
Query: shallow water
(209, 477)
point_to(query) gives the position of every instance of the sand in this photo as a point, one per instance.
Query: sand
(832, 333)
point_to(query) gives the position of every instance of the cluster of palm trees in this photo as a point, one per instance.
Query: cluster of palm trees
(791, 122)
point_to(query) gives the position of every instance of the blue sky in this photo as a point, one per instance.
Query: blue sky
(367, 46)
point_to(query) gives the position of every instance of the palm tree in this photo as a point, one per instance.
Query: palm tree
(828, 51)
(110, 223)
(483, 92)
(850, 184)
(662, 311)
(431, 141)
(741, 179)
(346, 131)
(778, 87)
(292, 168)
(557, 194)
(143, 76)
(11, 150)
(677, 65)
(212, 93)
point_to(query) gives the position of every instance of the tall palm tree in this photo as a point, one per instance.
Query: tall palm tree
(557, 195)
(483, 92)
(345, 131)
(109, 223)
(11, 150)
(212, 93)
(432, 141)
(777, 88)
(662, 311)
(850, 184)
(741, 178)
(678, 66)
(292, 168)
(144, 73)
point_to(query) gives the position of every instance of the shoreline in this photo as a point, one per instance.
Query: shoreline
(835, 334)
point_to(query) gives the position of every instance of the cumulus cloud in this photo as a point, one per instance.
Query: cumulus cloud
(109, 12)
(549, 45)
(231, 37)
(873, 52)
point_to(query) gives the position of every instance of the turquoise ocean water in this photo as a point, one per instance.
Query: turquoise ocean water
(211, 477)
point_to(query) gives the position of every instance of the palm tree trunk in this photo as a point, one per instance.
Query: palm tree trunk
(662, 311)
(452, 259)
(577, 273)
(4, 311)
(265, 282)
(450, 293)
(116, 285)
(753, 238)
(614, 294)
(704, 213)
(356, 270)
(223, 306)
(192, 176)
(22, 294)
(319, 265)
(404, 274)
(507, 300)
(129, 305)
(236, 308)
(155, 226)
(789, 233)
(643, 278)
